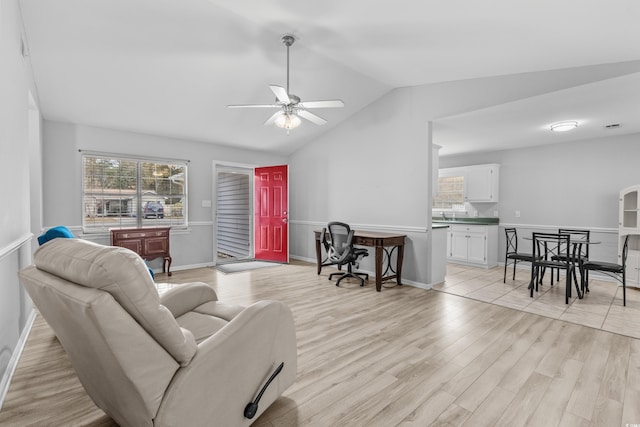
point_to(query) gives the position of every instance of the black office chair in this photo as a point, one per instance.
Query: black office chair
(546, 248)
(512, 252)
(342, 252)
(617, 271)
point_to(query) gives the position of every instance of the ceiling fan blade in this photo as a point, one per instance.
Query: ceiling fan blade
(331, 103)
(254, 106)
(273, 118)
(281, 94)
(311, 117)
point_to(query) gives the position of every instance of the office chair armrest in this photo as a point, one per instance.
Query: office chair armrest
(184, 298)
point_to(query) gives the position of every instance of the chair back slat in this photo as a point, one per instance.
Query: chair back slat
(512, 240)
(549, 245)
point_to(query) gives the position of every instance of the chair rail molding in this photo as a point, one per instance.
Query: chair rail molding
(370, 227)
(15, 245)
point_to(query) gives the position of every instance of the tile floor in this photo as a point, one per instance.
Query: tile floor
(601, 308)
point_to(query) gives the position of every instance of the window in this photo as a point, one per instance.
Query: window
(450, 193)
(129, 192)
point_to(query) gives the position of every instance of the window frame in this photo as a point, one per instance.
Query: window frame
(137, 196)
(451, 173)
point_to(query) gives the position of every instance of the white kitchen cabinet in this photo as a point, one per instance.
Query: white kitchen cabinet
(473, 244)
(481, 183)
(633, 268)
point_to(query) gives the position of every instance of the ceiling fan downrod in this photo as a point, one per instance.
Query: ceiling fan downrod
(288, 40)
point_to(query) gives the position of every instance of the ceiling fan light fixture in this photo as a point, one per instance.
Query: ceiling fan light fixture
(564, 126)
(288, 121)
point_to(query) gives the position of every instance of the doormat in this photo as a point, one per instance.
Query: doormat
(238, 267)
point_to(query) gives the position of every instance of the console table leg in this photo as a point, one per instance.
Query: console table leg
(167, 260)
(379, 257)
(318, 256)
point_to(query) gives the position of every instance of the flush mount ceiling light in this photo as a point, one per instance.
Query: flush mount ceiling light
(564, 126)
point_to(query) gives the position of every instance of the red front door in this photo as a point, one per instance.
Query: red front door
(271, 214)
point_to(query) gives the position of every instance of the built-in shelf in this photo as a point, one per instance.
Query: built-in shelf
(630, 226)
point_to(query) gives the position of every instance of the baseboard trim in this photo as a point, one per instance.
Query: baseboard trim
(185, 267)
(15, 358)
(420, 285)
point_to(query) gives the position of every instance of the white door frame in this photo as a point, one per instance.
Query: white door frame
(222, 166)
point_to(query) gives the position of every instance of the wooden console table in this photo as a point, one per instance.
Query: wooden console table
(379, 241)
(149, 243)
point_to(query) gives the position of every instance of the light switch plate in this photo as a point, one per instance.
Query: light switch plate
(206, 203)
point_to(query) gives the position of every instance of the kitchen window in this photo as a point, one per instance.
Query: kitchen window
(120, 191)
(450, 195)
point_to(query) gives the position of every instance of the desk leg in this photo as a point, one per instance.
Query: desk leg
(379, 260)
(318, 256)
(399, 265)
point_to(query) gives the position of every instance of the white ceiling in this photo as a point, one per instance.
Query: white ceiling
(169, 67)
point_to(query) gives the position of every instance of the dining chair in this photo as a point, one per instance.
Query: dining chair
(511, 252)
(576, 236)
(546, 248)
(617, 271)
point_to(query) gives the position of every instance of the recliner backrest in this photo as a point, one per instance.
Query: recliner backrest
(123, 274)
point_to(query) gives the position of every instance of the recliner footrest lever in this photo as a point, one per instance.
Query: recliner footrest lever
(252, 407)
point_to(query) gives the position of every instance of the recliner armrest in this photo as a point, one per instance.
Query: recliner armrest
(184, 298)
(231, 366)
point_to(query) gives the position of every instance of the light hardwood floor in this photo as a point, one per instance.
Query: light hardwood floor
(404, 356)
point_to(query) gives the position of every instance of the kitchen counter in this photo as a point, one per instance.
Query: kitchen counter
(438, 220)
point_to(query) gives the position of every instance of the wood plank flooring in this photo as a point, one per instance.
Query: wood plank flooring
(401, 357)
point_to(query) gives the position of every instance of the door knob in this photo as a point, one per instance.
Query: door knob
(285, 220)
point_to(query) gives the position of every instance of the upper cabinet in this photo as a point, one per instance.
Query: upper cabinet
(473, 184)
(481, 183)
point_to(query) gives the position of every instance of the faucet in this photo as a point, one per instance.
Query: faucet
(443, 215)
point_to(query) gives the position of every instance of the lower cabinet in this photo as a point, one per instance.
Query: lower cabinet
(473, 244)
(633, 268)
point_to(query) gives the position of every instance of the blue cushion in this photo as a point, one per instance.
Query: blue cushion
(54, 232)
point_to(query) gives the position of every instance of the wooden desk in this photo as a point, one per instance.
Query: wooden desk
(149, 243)
(379, 241)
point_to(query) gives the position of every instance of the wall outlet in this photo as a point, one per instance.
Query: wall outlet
(495, 213)
(206, 203)
(517, 214)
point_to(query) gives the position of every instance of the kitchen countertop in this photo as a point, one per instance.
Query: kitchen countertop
(465, 220)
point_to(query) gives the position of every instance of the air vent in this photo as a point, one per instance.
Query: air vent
(612, 126)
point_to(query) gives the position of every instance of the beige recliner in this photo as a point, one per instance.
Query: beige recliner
(180, 359)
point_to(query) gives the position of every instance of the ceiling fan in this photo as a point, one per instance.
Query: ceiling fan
(290, 106)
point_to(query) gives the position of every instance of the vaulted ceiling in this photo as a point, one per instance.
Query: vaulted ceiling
(168, 67)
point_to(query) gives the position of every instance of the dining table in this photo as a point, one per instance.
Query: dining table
(576, 258)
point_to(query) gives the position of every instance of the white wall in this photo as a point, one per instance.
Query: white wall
(571, 185)
(63, 180)
(15, 227)
(373, 170)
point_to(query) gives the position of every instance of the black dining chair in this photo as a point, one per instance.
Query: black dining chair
(617, 271)
(512, 253)
(342, 252)
(575, 237)
(546, 248)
